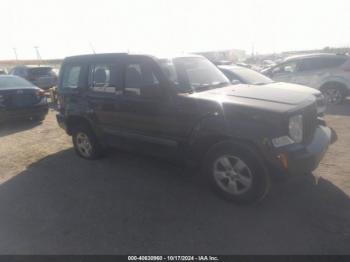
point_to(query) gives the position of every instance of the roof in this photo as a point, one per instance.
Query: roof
(31, 66)
(94, 57)
(297, 57)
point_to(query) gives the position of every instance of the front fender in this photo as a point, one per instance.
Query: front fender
(215, 128)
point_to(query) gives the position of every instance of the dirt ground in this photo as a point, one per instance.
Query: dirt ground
(53, 202)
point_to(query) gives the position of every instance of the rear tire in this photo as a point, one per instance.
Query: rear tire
(85, 143)
(236, 173)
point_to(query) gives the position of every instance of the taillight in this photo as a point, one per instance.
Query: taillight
(40, 93)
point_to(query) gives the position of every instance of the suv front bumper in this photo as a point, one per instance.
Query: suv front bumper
(303, 159)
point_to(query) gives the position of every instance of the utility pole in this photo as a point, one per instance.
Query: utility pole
(92, 48)
(15, 52)
(38, 56)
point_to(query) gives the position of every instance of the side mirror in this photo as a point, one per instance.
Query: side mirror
(288, 69)
(235, 82)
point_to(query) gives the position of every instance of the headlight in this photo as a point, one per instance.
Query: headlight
(296, 128)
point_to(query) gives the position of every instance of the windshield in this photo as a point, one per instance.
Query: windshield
(11, 81)
(251, 77)
(191, 74)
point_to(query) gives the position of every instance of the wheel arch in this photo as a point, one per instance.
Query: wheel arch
(75, 120)
(335, 83)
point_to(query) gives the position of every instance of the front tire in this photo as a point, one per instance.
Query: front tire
(85, 143)
(333, 95)
(236, 173)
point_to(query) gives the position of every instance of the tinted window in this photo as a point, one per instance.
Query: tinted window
(14, 82)
(106, 78)
(140, 78)
(40, 71)
(321, 62)
(20, 71)
(71, 77)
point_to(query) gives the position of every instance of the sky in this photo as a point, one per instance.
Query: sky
(62, 28)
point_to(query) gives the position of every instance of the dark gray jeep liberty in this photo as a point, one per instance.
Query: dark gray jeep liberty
(183, 107)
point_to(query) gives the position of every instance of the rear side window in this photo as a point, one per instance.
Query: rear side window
(321, 63)
(106, 78)
(71, 77)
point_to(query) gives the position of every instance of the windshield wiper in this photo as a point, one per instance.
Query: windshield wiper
(212, 85)
(202, 87)
(220, 84)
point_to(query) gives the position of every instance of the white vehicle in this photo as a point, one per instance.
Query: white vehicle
(241, 75)
(330, 73)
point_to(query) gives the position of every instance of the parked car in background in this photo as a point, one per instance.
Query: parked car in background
(330, 73)
(20, 99)
(237, 75)
(237, 136)
(43, 77)
(3, 71)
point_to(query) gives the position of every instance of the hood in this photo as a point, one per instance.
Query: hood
(294, 87)
(251, 94)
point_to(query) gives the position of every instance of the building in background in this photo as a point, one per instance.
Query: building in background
(230, 55)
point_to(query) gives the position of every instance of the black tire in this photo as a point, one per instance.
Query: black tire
(260, 180)
(96, 148)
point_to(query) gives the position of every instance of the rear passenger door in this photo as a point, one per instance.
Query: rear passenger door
(105, 89)
(310, 69)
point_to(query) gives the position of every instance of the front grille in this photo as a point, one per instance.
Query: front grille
(309, 122)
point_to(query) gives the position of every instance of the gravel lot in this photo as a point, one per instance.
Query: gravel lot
(53, 202)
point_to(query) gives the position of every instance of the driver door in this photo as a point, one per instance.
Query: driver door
(146, 112)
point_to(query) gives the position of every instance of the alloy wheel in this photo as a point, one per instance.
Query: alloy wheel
(232, 175)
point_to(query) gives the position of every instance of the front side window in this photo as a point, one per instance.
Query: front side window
(106, 78)
(71, 77)
(191, 74)
(289, 67)
(140, 79)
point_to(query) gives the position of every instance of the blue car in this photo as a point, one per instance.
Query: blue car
(20, 99)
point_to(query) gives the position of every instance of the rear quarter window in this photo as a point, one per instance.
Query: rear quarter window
(71, 76)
